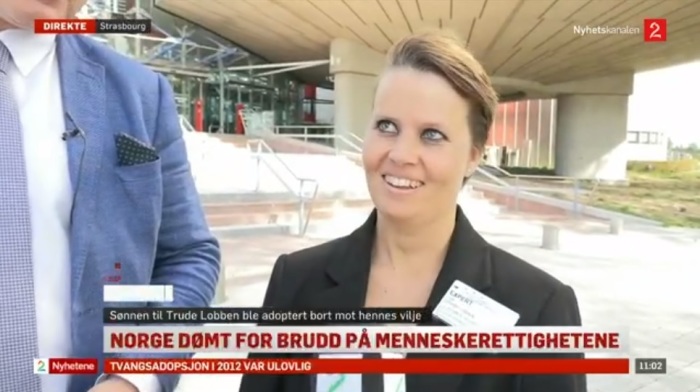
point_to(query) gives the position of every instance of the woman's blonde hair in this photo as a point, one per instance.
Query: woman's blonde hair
(444, 55)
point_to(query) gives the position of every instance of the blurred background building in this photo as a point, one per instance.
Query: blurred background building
(221, 87)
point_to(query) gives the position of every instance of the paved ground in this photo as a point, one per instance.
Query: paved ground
(641, 280)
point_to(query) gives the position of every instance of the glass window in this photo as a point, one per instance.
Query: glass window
(644, 137)
(633, 137)
(654, 138)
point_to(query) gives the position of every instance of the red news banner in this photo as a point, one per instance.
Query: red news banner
(335, 366)
(92, 26)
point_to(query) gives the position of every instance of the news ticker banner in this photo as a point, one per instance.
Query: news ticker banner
(358, 339)
(161, 316)
(92, 26)
(352, 366)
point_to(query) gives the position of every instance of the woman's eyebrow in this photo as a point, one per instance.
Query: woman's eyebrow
(423, 125)
(380, 116)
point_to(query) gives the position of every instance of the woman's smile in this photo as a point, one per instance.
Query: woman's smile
(401, 184)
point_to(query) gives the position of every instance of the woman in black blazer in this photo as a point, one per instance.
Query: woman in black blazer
(432, 112)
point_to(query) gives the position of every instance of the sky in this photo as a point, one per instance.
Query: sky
(667, 100)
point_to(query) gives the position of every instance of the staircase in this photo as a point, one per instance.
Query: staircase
(273, 213)
(249, 192)
(247, 189)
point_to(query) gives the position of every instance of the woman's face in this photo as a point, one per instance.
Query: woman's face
(419, 147)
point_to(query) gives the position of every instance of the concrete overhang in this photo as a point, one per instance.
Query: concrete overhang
(530, 47)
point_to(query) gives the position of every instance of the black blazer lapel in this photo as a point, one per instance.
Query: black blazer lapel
(468, 261)
(348, 270)
(347, 273)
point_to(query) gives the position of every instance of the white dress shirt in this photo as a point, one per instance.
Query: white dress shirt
(37, 86)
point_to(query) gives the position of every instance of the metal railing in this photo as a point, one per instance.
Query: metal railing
(341, 144)
(356, 139)
(539, 188)
(259, 147)
(556, 185)
(566, 193)
(500, 170)
(303, 130)
(186, 125)
(562, 193)
(491, 177)
(555, 191)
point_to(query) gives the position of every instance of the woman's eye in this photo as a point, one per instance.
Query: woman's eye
(433, 135)
(385, 126)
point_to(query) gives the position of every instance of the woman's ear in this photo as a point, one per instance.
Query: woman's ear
(469, 172)
(473, 163)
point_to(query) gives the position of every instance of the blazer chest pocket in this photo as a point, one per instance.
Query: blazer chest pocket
(141, 182)
(139, 193)
(140, 172)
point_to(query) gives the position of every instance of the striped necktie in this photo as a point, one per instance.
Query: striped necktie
(18, 334)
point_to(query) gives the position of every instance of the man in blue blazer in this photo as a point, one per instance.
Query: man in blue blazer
(94, 182)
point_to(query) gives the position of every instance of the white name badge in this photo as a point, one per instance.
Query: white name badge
(464, 306)
(339, 382)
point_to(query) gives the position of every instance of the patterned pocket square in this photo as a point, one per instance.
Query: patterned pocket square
(131, 151)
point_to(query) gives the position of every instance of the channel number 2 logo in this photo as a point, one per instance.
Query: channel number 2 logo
(654, 30)
(41, 366)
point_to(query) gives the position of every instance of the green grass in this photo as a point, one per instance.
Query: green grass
(668, 192)
(671, 198)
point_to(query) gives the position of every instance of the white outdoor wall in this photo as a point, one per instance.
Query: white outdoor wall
(667, 99)
(325, 111)
(647, 152)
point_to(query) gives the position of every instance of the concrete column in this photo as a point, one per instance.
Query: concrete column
(550, 237)
(591, 136)
(355, 68)
(591, 127)
(354, 94)
(616, 226)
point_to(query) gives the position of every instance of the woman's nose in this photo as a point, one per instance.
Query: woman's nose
(404, 151)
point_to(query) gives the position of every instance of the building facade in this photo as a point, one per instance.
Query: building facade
(649, 146)
(524, 131)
